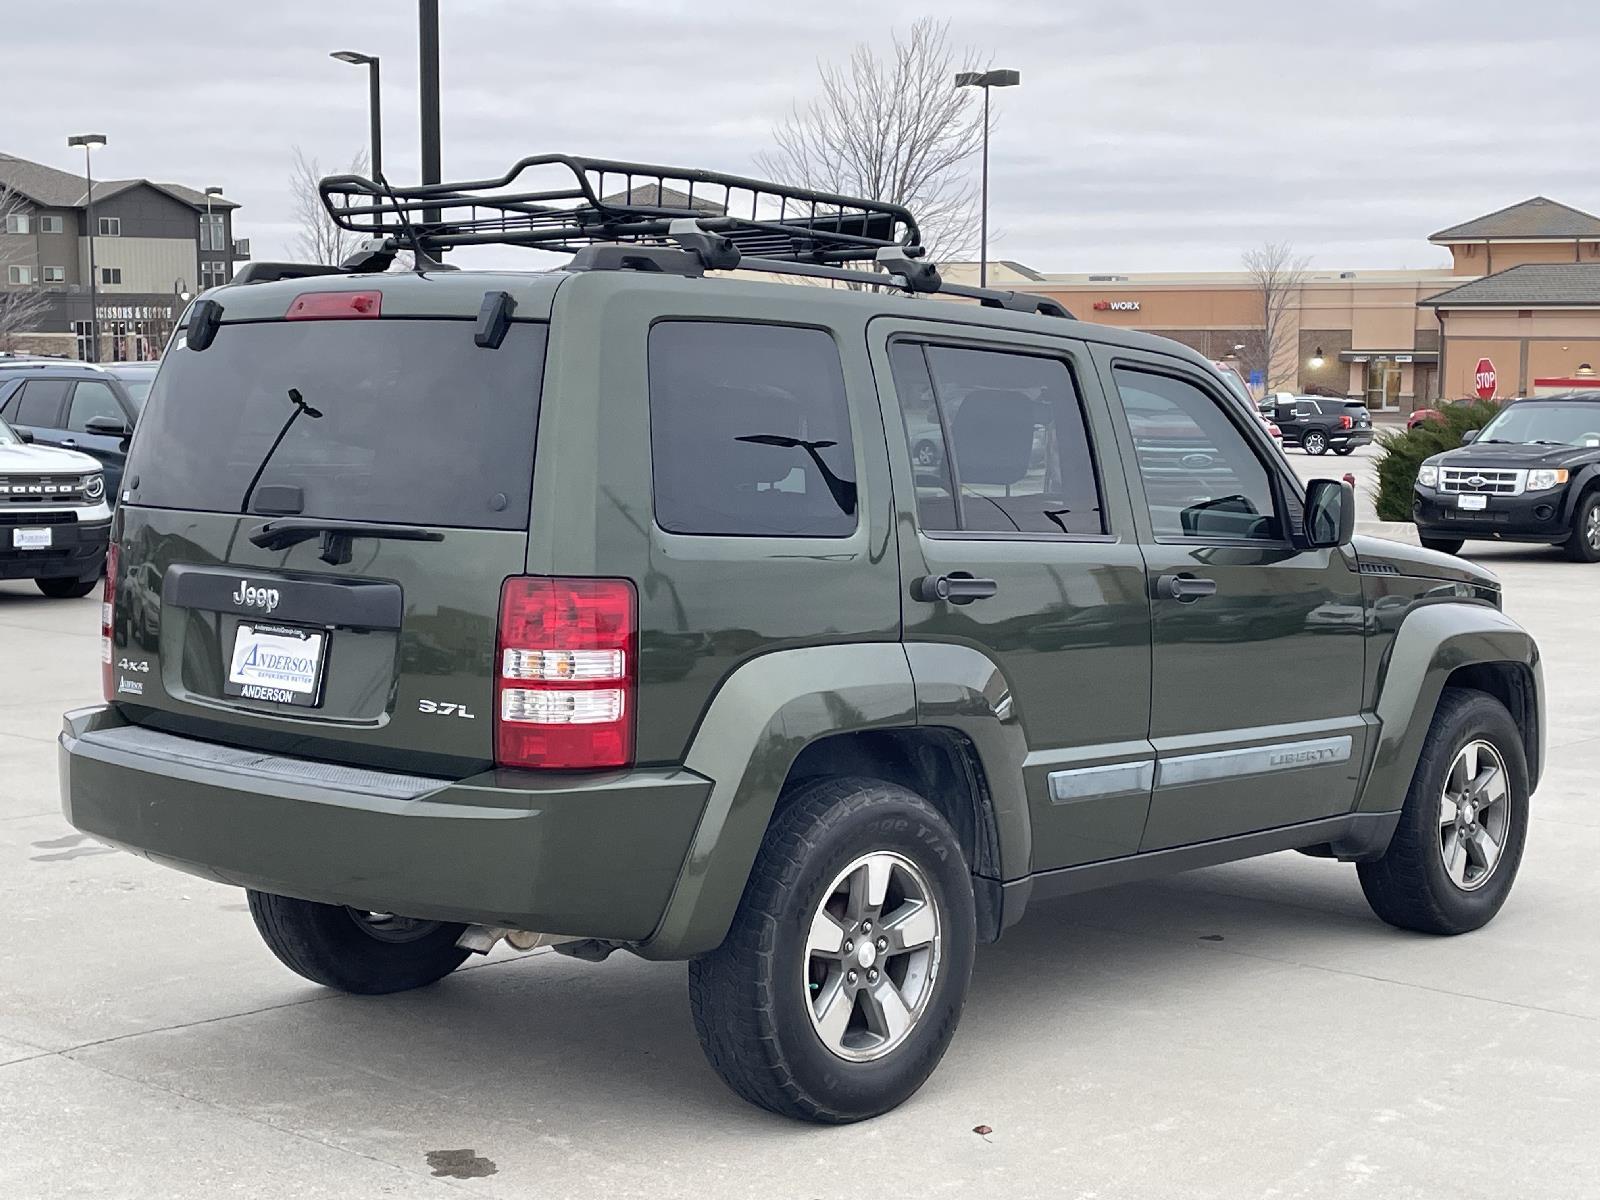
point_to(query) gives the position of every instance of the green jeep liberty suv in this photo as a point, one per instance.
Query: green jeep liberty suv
(611, 607)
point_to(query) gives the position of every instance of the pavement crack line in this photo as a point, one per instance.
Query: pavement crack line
(299, 1135)
(1218, 948)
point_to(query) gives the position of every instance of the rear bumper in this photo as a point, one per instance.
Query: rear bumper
(1349, 437)
(1532, 517)
(77, 551)
(587, 856)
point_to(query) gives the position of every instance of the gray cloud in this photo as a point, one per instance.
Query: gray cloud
(1147, 134)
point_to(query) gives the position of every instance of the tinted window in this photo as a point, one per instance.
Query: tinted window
(1201, 477)
(1012, 438)
(930, 459)
(138, 389)
(414, 423)
(91, 399)
(40, 403)
(749, 431)
(9, 391)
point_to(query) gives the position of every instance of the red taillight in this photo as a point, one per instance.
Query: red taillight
(108, 614)
(334, 306)
(1347, 422)
(566, 670)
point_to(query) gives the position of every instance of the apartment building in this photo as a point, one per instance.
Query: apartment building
(155, 245)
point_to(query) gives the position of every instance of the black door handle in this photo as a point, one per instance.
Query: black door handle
(958, 587)
(1184, 587)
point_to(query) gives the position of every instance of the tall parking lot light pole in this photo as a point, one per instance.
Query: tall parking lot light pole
(986, 80)
(89, 141)
(374, 103)
(428, 80)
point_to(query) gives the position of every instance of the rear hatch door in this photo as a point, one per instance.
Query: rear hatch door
(316, 522)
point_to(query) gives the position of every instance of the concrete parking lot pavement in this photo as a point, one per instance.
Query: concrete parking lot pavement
(1244, 1031)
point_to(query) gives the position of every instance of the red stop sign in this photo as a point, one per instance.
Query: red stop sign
(1485, 380)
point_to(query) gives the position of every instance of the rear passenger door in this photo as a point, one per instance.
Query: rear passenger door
(37, 408)
(1008, 490)
(1258, 644)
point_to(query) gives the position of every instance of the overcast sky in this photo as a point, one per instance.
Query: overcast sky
(1146, 135)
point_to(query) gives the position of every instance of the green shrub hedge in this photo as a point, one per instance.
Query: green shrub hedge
(1402, 452)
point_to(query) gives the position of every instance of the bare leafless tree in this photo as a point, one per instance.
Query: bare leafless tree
(22, 305)
(318, 239)
(893, 128)
(1276, 274)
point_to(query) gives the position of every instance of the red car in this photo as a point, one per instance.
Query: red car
(1419, 415)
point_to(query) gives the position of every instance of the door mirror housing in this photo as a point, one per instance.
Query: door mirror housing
(1470, 436)
(25, 434)
(1330, 513)
(107, 427)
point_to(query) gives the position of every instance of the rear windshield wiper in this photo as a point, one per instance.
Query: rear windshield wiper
(336, 535)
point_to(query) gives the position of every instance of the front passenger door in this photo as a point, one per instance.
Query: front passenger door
(1258, 650)
(93, 398)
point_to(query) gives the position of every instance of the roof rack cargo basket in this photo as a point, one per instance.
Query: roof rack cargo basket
(561, 202)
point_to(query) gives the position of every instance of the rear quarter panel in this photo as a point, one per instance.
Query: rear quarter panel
(706, 604)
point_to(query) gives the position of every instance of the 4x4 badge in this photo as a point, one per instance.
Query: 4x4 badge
(250, 596)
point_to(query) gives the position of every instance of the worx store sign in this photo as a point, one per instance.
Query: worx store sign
(1116, 306)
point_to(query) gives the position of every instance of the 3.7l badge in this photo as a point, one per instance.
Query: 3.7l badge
(445, 708)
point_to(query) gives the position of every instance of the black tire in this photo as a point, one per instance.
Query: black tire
(355, 952)
(750, 996)
(1583, 545)
(1314, 442)
(1409, 886)
(1442, 545)
(925, 454)
(1344, 450)
(66, 589)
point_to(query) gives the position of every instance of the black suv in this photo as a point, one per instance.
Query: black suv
(72, 405)
(1317, 424)
(1531, 475)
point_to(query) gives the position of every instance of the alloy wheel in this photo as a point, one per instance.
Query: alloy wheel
(1474, 815)
(1591, 528)
(872, 956)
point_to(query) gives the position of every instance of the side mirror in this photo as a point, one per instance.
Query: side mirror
(1470, 436)
(107, 427)
(1330, 513)
(25, 434)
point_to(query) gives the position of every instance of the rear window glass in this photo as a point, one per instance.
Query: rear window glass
(749, 431)
(403, 421)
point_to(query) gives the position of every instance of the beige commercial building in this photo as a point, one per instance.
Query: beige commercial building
(1522, 290)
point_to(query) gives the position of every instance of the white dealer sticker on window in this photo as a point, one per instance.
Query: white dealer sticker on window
(271, 659)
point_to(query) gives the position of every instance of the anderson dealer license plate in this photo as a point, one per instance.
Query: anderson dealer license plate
(276, 663)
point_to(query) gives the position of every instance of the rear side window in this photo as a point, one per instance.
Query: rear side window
(41, 403)
(750, 431)
(404, 421)
(998, 441)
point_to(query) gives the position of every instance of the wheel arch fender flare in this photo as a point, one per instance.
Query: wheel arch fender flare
(772, 708)
(760, 719)
(1434, 643)
(1584, 480)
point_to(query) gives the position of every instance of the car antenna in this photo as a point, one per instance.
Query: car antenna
(300, 406)
(418, 254)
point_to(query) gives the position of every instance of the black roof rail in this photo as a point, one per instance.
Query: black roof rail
(268, 272)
